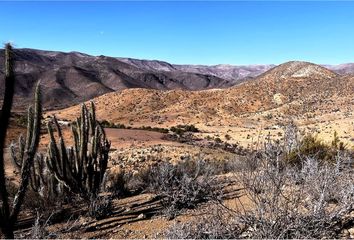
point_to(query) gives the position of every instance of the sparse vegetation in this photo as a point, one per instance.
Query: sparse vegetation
(285, 202)
(293, 186)
(107, 124)
(181, 129)
(100, 207)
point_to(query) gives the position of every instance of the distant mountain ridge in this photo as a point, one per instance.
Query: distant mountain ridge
(74, 77)
(69, 78)
(231, 73)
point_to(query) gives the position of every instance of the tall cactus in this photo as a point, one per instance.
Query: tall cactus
(8, 216)
(80, 168)
(25, 147)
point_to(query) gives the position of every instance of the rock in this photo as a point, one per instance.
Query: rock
(351, 232)
(344, 234)
(141, 216)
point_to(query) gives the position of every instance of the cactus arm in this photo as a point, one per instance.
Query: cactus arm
(27, 165)
(29, 133)
(37, 121)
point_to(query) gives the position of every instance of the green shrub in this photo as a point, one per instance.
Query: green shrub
(311, 146)
(181, 129)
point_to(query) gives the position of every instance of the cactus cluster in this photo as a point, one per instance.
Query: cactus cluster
(25, 157)
(80, 168)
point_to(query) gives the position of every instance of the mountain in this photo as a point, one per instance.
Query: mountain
(294, 89)
(232, 73)
(298, 69)
(69, 78)
(229, 72)
(347, 68)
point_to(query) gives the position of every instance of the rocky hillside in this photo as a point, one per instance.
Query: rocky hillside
(231, 73)
(294, 88)
(69, 78)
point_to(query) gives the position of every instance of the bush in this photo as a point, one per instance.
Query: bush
(227, 137)
(313, 200)
(107, 124)
(188, 128)
(312, 147)
(181, 186)
(219, 224)
(154, 129)
(117, 182)
(181, 129)
(100, 207)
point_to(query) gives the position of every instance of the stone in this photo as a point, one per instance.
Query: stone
(141, 216)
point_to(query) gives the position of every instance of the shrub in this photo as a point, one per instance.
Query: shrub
(154, 129)
(227, 137)
(311, 201)
(218, 224)
(100, 207)
(181, 186)
(107, 124)
(181, 129)
(188, 128)
(311, 146)
(117, 182)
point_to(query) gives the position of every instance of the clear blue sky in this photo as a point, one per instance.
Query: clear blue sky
(187, 32)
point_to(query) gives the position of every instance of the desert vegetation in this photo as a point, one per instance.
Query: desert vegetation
(313, 199)
(68, 181)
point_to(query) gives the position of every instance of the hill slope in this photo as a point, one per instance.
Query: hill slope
(70, 78)
(295, 88)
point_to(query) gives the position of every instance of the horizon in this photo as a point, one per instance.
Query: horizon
(187, 33)
(162, 60)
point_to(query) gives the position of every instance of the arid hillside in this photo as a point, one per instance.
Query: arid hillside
(298, 91)
(71, 78)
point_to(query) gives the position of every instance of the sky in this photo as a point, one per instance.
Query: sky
(200, 32)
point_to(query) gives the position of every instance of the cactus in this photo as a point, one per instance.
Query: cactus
(8, 216)
(40, 180)
(80, 168)
(25, 147)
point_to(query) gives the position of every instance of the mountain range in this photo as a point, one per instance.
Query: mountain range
(71, 78)
(293, 90)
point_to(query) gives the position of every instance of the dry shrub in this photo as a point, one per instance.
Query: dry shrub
(217, 225)
(292, 203)
(100, 207)
(309, 200)
(117, 182)
(181, 186)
